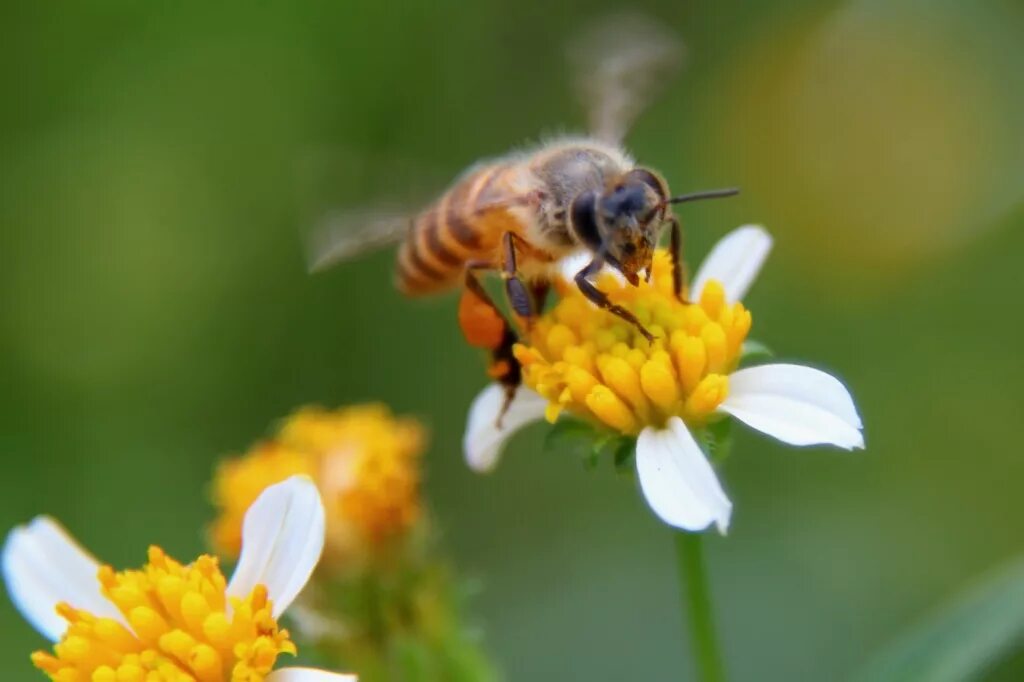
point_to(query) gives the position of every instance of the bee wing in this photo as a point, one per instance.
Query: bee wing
(344, 213)
(621, 64)
(345, 234)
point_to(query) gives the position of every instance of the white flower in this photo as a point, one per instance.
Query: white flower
(795, 404)
(307, 675)
(283, 536)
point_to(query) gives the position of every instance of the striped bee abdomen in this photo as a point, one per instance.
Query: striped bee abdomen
(457, 228)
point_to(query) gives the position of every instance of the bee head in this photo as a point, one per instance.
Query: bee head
(624, 221)
(629, 216)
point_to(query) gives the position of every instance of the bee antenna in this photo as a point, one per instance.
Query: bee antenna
(707, 194)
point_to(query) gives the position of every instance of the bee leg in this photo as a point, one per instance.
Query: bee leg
(519, 297)
(507, 371)
(600, 299)
(679, 273)
(540, 292)
(485, 327)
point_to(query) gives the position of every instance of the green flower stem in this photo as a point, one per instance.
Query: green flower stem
(696, 606)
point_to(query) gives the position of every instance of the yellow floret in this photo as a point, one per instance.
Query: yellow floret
(183, 629)
(598, 366)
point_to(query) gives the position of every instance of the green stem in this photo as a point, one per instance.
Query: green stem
(696, 605)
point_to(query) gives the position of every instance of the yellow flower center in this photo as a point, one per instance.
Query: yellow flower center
(598, 366)
(363, 460)
(183, 629)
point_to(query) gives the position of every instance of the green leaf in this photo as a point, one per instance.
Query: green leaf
(754, 352)
(963, 640)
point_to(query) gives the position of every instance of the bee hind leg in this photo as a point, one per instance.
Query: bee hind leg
(506, 370)
(485, 327)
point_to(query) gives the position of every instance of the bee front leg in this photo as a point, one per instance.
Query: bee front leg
(485, 327)
(679, 273)
(600, 299)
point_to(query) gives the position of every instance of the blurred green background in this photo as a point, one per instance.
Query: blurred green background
(158, 162)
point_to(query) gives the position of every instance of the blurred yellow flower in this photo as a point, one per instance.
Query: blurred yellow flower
(364, 460)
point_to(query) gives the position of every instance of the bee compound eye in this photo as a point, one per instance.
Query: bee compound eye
(583, 218)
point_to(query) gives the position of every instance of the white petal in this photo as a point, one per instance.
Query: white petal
(678, 480)
(570, 266)
(734, 261)
(484, 441)
(798, 405)
(573, 263)
(307, 675)
(282, 538)
(43, 566)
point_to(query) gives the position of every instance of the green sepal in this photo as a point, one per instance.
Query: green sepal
(754, 352)
(591, 444)
(715, 439)
(568, 432)
(576, 437)
(401, 620)
(412, 659)
(623, 449)
(604, 445)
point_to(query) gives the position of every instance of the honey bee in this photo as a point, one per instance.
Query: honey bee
(521, 214)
